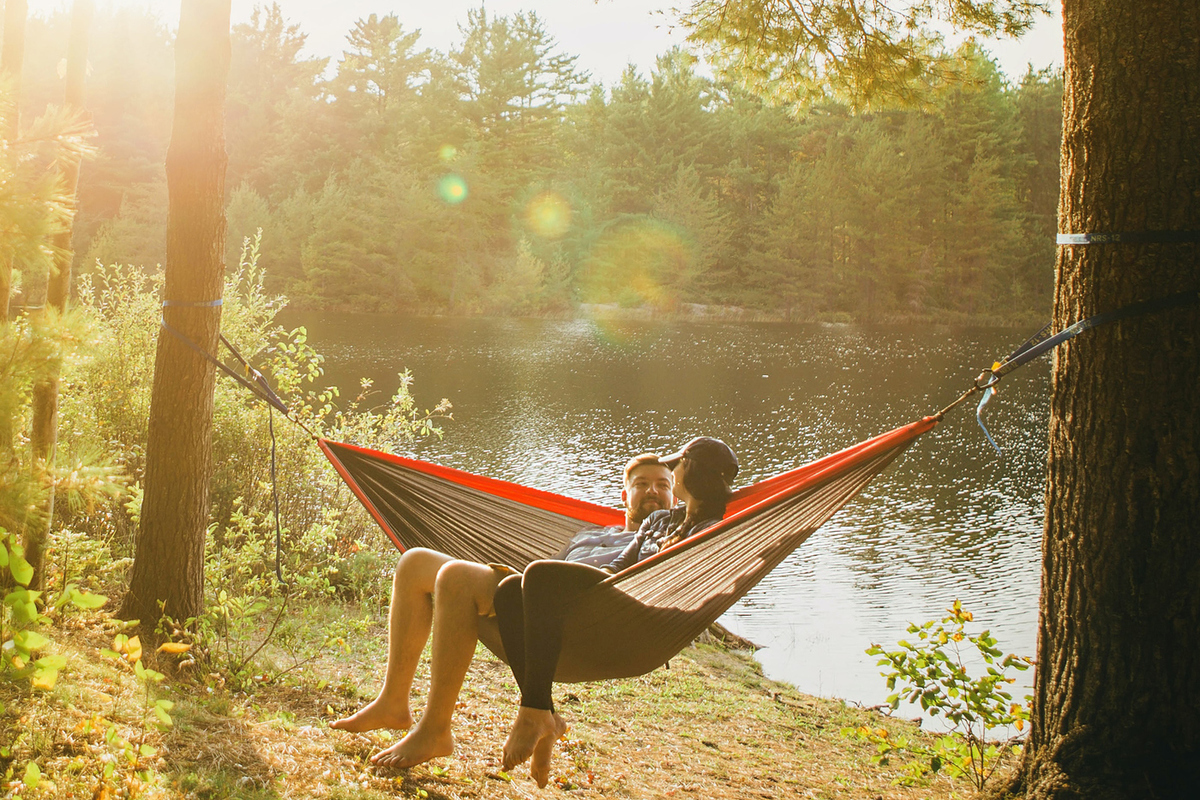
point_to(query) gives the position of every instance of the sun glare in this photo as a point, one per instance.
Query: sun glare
(636, 263)
(452, 189)
(548, 215)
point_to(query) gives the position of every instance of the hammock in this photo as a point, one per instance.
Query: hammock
(664, 602)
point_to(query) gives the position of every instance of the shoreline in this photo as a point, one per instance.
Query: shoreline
(704, 314)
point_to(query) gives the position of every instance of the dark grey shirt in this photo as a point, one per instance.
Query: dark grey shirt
(596, 546)
(649, 538)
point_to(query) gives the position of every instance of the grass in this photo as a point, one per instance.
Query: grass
(709, 726)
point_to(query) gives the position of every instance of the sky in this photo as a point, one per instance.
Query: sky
(605, 34)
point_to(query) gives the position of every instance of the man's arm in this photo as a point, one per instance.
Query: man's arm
(628, 556)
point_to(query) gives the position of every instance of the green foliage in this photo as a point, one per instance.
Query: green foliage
(932, 671)
(111, 396)
(329, 547)
(23, 647)
(869, 53)
(127, 764)
(718, 194)
(246, 635)
(82, 476)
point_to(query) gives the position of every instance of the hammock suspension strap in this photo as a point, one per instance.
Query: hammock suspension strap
(1043, 342)
(257, 384)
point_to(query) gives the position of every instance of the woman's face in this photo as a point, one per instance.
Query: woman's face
(680, 490)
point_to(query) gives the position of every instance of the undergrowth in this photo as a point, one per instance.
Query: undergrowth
(262, 620)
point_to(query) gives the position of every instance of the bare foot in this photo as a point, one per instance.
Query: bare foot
(532, 725)
(415, 748)
(539, 764)
(373, 716)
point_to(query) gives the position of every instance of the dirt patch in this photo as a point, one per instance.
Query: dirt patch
(709, 726)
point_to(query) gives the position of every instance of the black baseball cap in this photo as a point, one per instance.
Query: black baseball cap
(713, 454)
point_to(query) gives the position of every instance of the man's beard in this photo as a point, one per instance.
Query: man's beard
(646, 508)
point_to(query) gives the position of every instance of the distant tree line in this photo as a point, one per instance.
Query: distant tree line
(497, 178)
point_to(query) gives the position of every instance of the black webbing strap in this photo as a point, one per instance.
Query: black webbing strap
(258, 386)
(1036, 346)
(1042, 342)
(256, 383)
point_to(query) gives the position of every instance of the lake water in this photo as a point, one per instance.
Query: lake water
(560, 405)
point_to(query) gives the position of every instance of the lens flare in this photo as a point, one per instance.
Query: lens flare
(452, 189)
(447, 153)
(637, 263)
(548, 215)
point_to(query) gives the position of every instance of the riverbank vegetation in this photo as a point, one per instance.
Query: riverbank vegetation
(497, 178)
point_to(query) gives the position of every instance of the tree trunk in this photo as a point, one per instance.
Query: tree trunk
(11, 57)
(44, 428)
(1117, 690)
(169, 564)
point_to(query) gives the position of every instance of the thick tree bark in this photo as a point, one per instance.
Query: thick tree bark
(44, 428)
(1117, 691)
(12, 55)
(169, 564)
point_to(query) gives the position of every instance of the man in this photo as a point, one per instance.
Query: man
(454, 599)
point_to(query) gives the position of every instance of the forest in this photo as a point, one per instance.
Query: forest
(499, 179)
(153, 518)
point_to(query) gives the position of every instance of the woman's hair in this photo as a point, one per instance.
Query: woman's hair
(707, 486)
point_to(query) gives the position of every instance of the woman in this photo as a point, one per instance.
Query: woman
(531, 608)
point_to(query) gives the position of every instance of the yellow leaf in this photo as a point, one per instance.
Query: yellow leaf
(44, 679)
(1020, 723)
(881, 733)
(174, 647)
(133, 648)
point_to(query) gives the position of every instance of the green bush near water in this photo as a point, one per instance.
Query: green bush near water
(106, 404)
(932, 671)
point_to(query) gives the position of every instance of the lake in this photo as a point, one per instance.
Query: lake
(560, 405)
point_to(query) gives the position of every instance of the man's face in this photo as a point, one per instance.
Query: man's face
(649, 489)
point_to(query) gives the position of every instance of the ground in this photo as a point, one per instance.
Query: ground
(709, 726)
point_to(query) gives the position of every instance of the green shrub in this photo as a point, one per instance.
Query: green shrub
(931, 671)
(329, 545)
(24, 649)
(110, 407)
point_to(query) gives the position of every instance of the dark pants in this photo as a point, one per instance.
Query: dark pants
(531, 609)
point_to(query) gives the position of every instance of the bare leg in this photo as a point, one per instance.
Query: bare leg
(409, 619)
(462, 594)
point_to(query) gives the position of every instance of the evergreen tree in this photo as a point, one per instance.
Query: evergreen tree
(267, 75)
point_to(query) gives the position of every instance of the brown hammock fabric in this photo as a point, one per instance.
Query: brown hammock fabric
(636, 620)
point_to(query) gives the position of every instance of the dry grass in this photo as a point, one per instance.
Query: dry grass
(710, 726)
